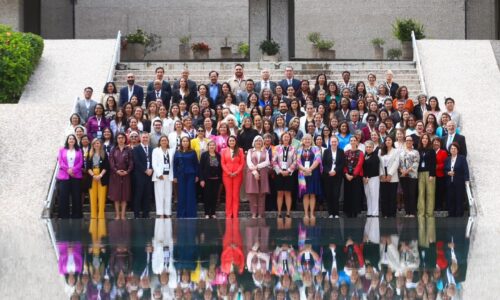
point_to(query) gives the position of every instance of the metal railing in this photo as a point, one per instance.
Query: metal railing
(416, 60)
(116, 57)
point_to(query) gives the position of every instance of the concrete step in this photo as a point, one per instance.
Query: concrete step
(338, 72)
(274, 77)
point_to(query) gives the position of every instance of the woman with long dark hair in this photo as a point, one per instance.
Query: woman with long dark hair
(232, 161)
(310, 167)
(186, 175)
(426, 175)
(163, 176)
(389, 163)
(408, 173)
(121, 165)
(210, 178)
(69, 178)
(284, 164)
(353, 175)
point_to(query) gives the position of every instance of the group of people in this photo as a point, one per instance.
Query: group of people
(266, 142)
(372, 258)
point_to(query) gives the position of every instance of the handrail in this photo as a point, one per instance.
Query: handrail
(416, 60)
(116, 57)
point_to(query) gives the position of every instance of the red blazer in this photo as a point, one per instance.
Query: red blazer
(232, 164)
(441, 157)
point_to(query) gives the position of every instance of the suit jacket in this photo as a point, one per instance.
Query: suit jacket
(393, 166)
(458, 138)
(62, 247)
(359, 125)
(205, 166)
(177, 97)
(165, 86)
(158, 164)
(461, 169)
(192, 86)
(417, 111)
(103, 165)
(232, 164)
(82, 111)
(165, 98)
(284, 84)
(140, 160)
(138, 91)
(258, 86)
(396, 117)
(328, 162)
(62, 159)
(214, 101)
(392, 90)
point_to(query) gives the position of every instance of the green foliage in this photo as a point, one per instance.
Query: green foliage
(244, 49)
(314, 37)
(378, 42)
(394, 53)
(151, 41)
(269, 47)
(184, 40)
(325, 44)
(19, 55)
(402, 28)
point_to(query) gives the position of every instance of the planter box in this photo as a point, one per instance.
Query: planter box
(226, 52)
(135, 51)
(184, 52)
(326, 54)
(271, 58)
(200, 54)
(315, 51)
(379, 52)
(407, 50)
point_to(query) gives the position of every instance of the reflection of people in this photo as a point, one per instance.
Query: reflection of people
(70, 161)
(163, 255)
(232, 252)
(186, 175)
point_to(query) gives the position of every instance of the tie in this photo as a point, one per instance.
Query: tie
(157, 94)
(289, 82)
(146, 150)
(265, 84)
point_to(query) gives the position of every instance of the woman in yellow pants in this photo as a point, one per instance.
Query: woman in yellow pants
(98, 169)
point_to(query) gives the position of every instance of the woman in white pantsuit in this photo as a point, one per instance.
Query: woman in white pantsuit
(371, 179)
(163, 175)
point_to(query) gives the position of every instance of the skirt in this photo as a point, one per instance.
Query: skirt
(284, 183)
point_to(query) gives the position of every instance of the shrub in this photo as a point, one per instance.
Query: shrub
(200, 46)
(314, 37)
(402, 28)
(378, 42)
(269, 47)
(19, 55)
(325, 44)
(151, 41)
(244, 49)
(184, 40)
(394, 54)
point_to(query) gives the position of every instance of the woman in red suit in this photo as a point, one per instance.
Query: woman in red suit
(232, 161)
(441, 156)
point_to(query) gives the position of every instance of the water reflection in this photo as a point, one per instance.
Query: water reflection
(372, 258)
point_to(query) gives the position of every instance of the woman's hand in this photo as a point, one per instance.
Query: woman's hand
(196, 179)
(202, 183)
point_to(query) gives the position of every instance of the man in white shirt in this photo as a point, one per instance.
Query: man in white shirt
(85, 107)
(265, 82)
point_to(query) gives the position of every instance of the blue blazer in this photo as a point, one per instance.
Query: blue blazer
(461, 170)
(138, 90)
(295, 84)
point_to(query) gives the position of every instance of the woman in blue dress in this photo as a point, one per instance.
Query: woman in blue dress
(186, 175)
(310, 168)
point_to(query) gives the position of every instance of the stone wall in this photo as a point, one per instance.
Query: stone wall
(11, 13)
(57, 19)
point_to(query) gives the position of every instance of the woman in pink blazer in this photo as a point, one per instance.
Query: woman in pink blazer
(70, 261)
(232, 161)
(69, 178)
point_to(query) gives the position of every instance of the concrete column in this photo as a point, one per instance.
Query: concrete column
(481, 20)
(257, 11)
(12, 13)
(57, 19)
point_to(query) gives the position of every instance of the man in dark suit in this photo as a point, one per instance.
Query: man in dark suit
(143, 186)
(391, 85)
(193, 87)
(165, 85)
(265, 82)
(398, 114)
(289, 80)
(453, 137)
(355, 123)
(283, 108)
(333, 163)
(131, 89)
(158, 93)
(214, 89)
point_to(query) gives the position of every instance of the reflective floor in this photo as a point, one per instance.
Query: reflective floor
(363, 258)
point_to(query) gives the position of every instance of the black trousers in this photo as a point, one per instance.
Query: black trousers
(455, 195)
(70, 188)
(388, 193)
(353, 196)
(331, 187)
(409, 186)
(210, 195)
(143, 192)
(440, 203)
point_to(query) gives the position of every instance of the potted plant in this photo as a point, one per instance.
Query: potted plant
(184, 53)
(135, 44)
(394, 54)
(270, 50)
(314, 38)
(324, 49)
(401, 29)
(379, 50)
(244, 49)
(200, 50)
(226, 51)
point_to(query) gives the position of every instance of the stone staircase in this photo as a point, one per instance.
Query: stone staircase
(405, 73)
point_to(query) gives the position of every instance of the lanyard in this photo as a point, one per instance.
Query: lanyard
(285, 154)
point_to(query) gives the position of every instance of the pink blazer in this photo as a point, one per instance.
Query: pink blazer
(62, 158)
(64, 255)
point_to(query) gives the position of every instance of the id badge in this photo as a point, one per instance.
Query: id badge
(307, 255)
(99, 134)
(307, 164)
(423, 164)
(333, 168)
(283, 255)
(283, 165)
